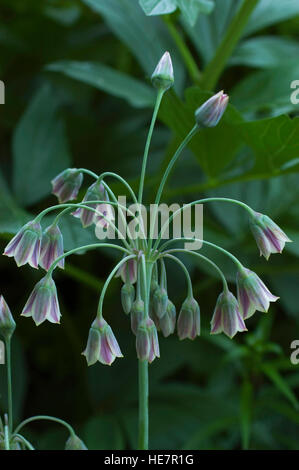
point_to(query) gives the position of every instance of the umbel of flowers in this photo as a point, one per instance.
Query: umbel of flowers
(144, 294)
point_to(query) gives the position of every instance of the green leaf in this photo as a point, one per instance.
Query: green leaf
(158, 7)
(280, 383)
(40, 148)
(269, 12)
(193, 8)
(265, 52)
(105, 78)
(12, 217)
(267, 90)
(103, 432)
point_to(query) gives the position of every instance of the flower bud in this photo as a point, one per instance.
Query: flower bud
(67, 184)
(167, 322)
(252, 293)
(43, 302)
(210, 113)
(102, 345)
(7, 323)
(137, 314)
(147, 344)
(25, 246)
(51, 247)
(95, 192)
(268, 236)
(128, 271)
(227, 317)
(160, 301)
(188, 324)
(75, 443)
(127, 297)
(163, 78)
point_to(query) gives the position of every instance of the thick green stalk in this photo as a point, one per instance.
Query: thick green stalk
(9, 384)
(234, 32)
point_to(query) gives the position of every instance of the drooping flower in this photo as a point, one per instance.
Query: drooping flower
(51, 247)
(67, 184)
(137, 314)
(102, 345)
(25, 245)
(227, 317)
(96, 192)
(268, 236)
(128, 271)
(210, 112)
(188, 324)
(162, 77)
(252, 293)
(167, 322)
(160, 301)
(75, 443)
(43, 302)
(7, 323)
(127, 297)
(147, 344)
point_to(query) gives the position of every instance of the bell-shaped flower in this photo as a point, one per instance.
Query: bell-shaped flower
(252, 293)
(67, 184)
(162, 77)
(188, 324)
(101, 344)
(127, 297)
(268, 236)
(7, 323)
(160, 301)
(167, 322)
(43, 302)
(227, 317)
(128, 271)
(96, 192)
(51, 247)
(210, 112)
(147, 344)
(25, 245)
(137, 314)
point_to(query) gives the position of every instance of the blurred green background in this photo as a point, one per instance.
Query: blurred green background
(78, 93)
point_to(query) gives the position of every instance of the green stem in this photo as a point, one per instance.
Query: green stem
(190, 63)
(234, 32)
(147, 144)
(48, 418)
(9, 383)
(188, 278)
(6, 437)
(122, 180)
(199, 201)
(143, 405)
(25, 442)
(165, 176)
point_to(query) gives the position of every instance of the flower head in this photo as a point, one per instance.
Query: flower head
(210, 112)
(67, 184)
(268, 236)
(7, 323)
(167, 322)
(101, 344)
(162, 77)
(188, 324)
(43, 302)
(147, 344)
(252, 293)
(25, 245)
(128, 271)
(227, 317)
(51, 247)
(96, 192)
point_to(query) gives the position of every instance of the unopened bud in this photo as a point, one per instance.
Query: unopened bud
(210, 113)
(7, 323)
(127, 297)
(167, 322)
(162, 77)
(189, 320)
(137, 314)
(75, 443)
(160, 300)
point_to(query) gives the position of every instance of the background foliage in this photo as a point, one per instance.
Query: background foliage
(78, 93)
